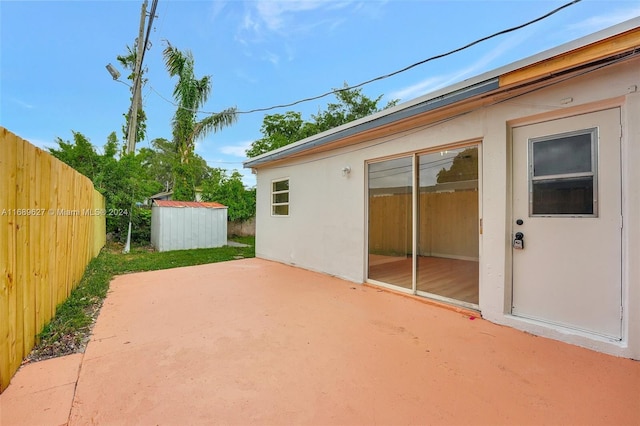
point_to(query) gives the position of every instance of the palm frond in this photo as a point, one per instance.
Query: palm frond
(203, 87)
(174, 60)
(179, 64)
(190, 95)
(214, 123)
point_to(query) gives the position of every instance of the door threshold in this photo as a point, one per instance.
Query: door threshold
(566, 328)
(464, 310)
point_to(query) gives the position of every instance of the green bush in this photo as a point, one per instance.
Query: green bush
(141, 226)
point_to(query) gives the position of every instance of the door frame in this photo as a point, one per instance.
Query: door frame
(477, 142)
(511, 230)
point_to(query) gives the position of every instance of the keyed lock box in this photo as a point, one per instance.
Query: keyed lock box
(518, 241)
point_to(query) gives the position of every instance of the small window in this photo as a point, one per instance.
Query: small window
(280, 197)
(562, 174)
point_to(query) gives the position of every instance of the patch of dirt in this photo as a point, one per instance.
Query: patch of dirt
(116, 247)
(66, 344)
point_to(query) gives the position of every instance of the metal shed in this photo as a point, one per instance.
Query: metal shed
(182, 225)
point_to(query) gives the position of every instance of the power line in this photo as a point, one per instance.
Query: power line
(360, 146)
(152, 15)
(385, 76)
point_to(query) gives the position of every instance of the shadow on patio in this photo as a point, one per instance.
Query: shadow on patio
(258, 342)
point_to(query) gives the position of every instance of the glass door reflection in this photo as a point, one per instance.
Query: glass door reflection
(390, 222)
(448, 234)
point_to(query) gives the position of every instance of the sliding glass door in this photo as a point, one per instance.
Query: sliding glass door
(390, 222)
(447, 253)
(423, 224)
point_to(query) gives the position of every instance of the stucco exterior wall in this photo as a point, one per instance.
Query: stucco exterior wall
(327, 226)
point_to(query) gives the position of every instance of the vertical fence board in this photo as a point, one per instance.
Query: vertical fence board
(99, 223)
(79, 243)
(7, 203)
(26, 199)
(20, 239)
(43, 310)
(47, 247)
(46, 240)
(53, 241)
(447, 223)
(62, 226)
(68, 219)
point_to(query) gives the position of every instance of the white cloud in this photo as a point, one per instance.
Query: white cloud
(248, 23)
(483, 63)
(23, 104)
(272, 57)
(437, 82)
(418, 89)
(216, 9)
(248, 178)
(264, 20)
(592, 24)
(284, 16)
(275, 13)
(599, 22)
(243, 75)
(237, 150)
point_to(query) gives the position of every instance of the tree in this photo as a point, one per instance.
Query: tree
(160, 160)
(352, 105)
(464, 167)
(79, 154)
(190, 95)
(128, 61)
(123, 181)
(230, 191)
(279, 130)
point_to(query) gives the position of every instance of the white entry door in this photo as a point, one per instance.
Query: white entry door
(567, 210)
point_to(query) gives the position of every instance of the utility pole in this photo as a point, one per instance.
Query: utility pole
(137, 84)
(135, 103)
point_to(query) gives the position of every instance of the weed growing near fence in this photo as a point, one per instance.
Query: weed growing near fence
(68, 332)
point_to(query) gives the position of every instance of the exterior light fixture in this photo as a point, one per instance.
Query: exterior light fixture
(346, 170)
(113, 71)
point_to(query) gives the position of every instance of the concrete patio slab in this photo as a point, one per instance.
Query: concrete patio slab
(258, 342)
(41, 392)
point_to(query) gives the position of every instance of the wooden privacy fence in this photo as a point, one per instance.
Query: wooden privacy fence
(447, 224)
(52, 223)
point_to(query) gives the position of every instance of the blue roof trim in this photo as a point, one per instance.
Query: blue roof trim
(411, 111)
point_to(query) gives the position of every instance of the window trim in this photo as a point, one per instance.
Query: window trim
(274, 193)
(593, 131)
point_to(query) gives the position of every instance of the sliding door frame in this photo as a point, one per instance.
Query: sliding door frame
(416, 217)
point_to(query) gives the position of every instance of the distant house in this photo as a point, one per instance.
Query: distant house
(168, 195)
(182, 225)
(515, 193)
(161, 196)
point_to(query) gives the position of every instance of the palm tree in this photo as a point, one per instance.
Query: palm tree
(190, 95)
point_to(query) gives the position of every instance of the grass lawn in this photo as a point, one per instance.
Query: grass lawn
(68, 332)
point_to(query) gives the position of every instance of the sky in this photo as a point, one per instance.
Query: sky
(260, 53)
